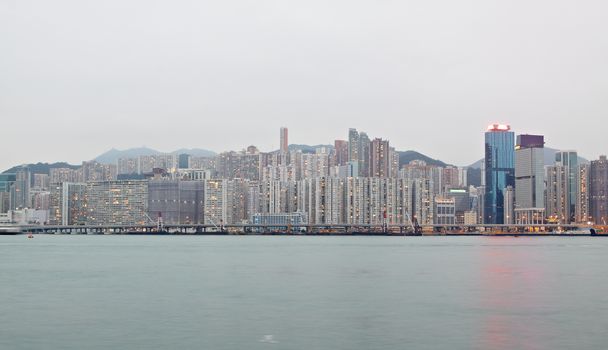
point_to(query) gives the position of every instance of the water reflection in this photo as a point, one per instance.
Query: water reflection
(513, 290)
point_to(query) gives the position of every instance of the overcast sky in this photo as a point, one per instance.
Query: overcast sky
(80, 77)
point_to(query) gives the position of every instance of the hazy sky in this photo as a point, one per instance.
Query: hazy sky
(80, 77)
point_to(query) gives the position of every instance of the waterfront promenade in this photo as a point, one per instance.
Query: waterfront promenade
(335, 230)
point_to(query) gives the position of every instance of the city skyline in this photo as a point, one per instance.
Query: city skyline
(360, 181)
(303, 174)
(131, 73)
(275, 146)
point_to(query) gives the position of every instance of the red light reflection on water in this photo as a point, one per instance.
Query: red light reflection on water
(511, 289)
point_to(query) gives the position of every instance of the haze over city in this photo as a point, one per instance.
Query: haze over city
(81, 77)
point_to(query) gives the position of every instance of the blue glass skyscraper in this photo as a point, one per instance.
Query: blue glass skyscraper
(499, 170)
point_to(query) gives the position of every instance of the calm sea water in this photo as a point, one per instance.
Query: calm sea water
(154, 292)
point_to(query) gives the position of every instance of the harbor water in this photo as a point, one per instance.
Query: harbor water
(272, 292)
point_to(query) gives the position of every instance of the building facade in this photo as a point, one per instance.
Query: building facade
(583, 212)
(284, 148)
(68, 204)
(529, 179)
(557, 200)
(598, 191)
(117, 203)
(499, 170)
(445, 211)
(380, 162)
(569, 160)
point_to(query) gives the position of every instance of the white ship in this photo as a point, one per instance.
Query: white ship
(10, 230)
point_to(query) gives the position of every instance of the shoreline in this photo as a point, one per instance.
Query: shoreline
(351, 234)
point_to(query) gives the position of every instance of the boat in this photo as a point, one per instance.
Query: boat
(583, 231)
(10, 230)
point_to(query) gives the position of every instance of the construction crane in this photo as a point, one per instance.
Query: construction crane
(160, 227)
(416, 229)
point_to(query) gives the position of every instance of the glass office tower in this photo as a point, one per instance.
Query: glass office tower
(569, 160)
(499, 170)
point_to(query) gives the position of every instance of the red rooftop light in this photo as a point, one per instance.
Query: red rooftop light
(499, 127)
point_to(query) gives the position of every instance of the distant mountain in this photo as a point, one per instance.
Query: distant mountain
(195, 152)
(549, 155)
(41, 168)
(407, 156)
(112, 156)
(476, 165)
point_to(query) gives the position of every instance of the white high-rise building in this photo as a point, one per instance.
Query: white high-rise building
(117, 202)
(216, 202)
(445, 211)
(314, 165)
(423, 201)
(557, 201)
(68, 204)
(583, 212)
(529, 181)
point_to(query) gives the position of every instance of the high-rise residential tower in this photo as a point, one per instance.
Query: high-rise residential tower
(68, 204)
(353, 145)
(582, 201)
(598, 191)
(284, 140)
(558, 210)
(364, 154)
(499, 170)
(341, 152)
(380, 162)
(354, 152)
